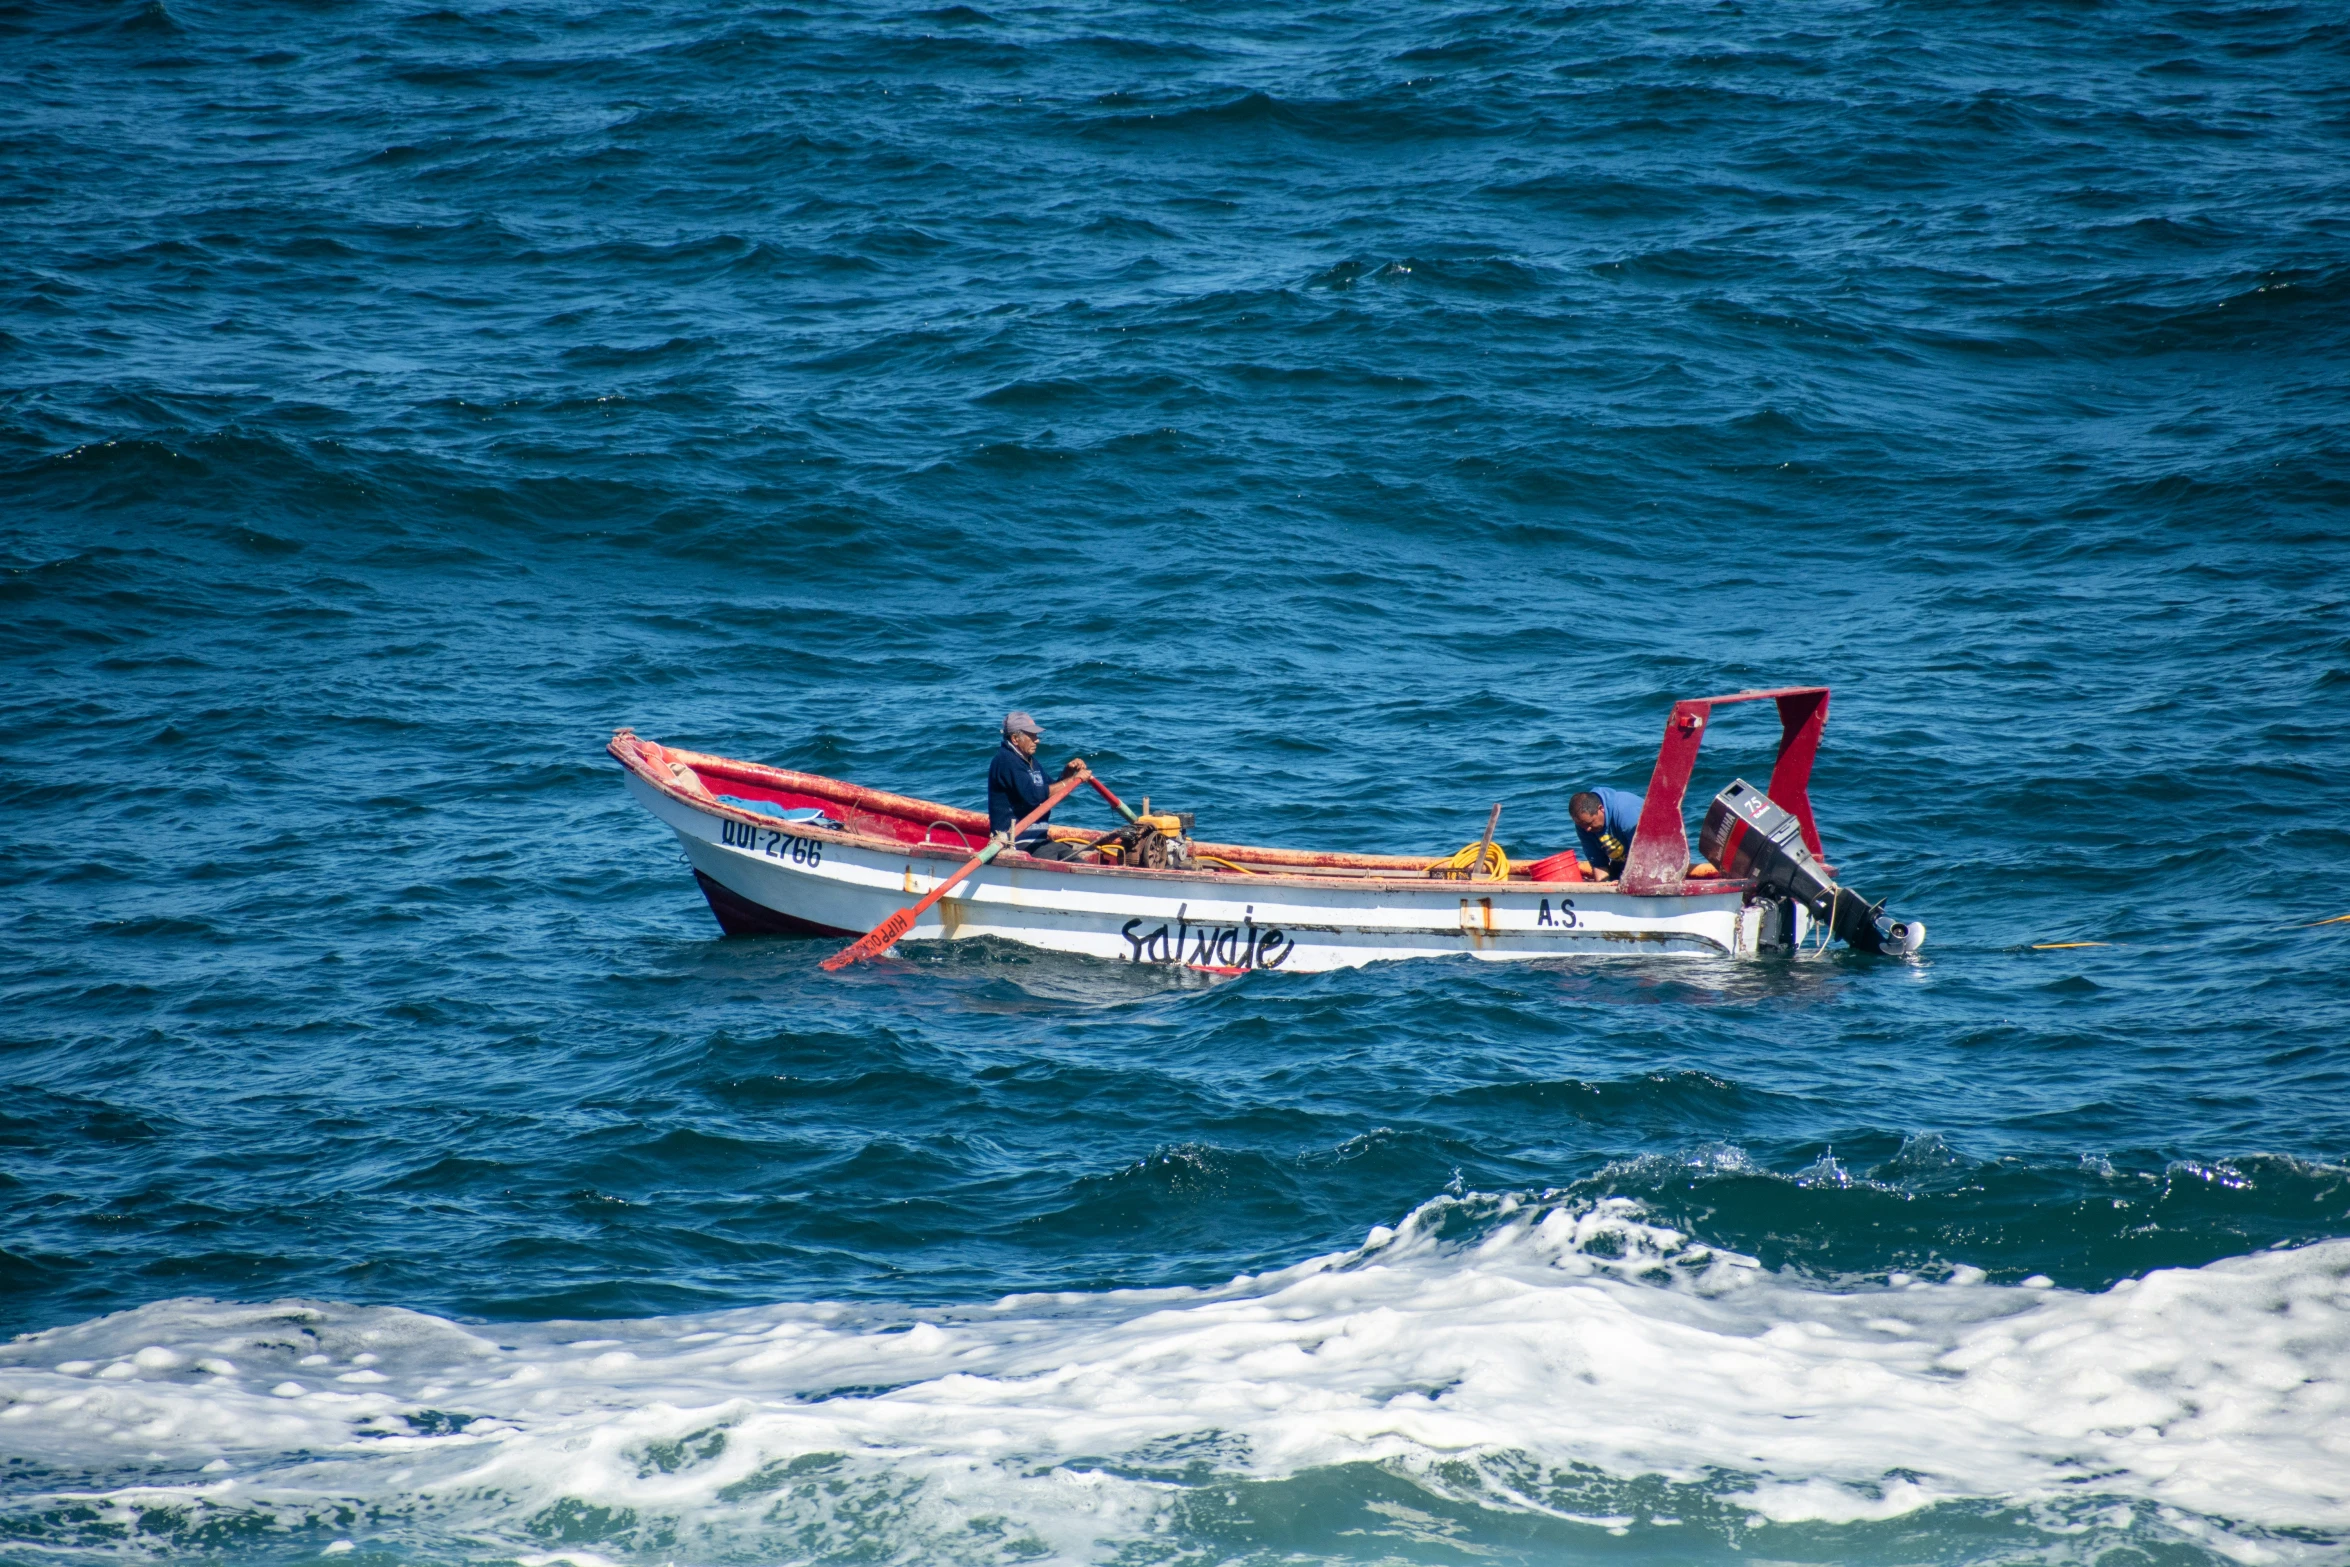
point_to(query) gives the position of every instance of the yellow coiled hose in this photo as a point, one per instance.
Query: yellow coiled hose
(1464, 863)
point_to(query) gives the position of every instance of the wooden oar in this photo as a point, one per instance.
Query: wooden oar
(885, 935)
(1477, 865)
(1116, 804)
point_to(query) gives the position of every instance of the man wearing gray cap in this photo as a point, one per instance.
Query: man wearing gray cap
(1016, 786)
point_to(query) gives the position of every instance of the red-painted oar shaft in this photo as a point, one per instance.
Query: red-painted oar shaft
(885, 935)
(1116, 804)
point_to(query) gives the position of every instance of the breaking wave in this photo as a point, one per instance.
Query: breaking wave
(1563, 1362)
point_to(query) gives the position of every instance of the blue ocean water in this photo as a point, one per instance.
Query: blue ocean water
(1330, 420)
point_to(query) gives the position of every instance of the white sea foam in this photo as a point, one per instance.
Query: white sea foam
(1556, 1336)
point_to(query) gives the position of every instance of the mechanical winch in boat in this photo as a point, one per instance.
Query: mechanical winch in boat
(779, 852)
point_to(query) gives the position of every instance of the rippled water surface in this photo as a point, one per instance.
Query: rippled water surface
(1330, 421)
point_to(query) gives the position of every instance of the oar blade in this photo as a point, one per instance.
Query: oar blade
(873, 943)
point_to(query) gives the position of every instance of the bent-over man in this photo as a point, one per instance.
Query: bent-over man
(1605, 820)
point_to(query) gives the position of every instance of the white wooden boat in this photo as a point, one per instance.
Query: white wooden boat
(849, 856)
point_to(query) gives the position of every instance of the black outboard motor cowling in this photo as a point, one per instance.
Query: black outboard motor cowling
(1747, 833)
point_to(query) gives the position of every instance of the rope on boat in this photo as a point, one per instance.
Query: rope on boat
(1465, 863)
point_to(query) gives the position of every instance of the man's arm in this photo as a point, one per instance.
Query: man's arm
(1594, 857)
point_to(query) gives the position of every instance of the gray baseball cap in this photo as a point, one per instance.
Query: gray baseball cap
(1020, 724)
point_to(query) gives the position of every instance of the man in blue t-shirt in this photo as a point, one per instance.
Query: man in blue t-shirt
(1016, 786)
(1605, 820)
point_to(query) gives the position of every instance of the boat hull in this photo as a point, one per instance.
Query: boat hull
(789, 880)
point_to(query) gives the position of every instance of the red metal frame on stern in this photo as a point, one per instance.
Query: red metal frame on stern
(1658, 861)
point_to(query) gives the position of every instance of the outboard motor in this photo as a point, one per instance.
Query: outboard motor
(1747, 833)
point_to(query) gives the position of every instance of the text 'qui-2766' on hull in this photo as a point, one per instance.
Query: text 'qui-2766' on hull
(779, 852)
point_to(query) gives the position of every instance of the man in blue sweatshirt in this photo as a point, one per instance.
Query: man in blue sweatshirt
(1016, 786)
(1605, 820)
